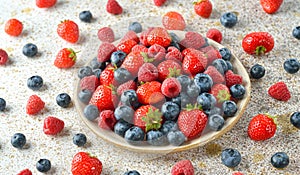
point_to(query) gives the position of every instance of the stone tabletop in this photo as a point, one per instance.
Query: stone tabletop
(40, 29)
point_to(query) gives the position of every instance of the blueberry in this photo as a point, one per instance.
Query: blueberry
(220, 65)
(216, 122)
(2, 104)
(85, 71)
(122, 75)
(117, 57)
(231, 157)
(121, 127)
(228, 19)
(79, 139)
(237, 91)
(85, 16)
(168, 126)
(18, 140)
(193, 90)
(225, 53)
(257, 71)
(280, 160)
(30, 50)
(212, 111)
(43, 165)
(134, 135)
(124, 112)
(229, 108)
(175, 40)
(203, 81)
(129, 98)
(177, 100)
(132, 172)
(184, 81)
(35, 82)
(91, 112)
(63, 100)
(136, 27)
(176, 138)
(291, 65)
(97, 72)
(170, 110)
(295, 119)
(229, 65)
(85, 95)
(206, 100)
(296, 32)
(156, 138)
(184, 99)
(95, 64)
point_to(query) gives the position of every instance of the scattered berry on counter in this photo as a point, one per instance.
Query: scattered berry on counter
(231, 157)
(280, 160)
(132, 172)
(2, 104)
(257, 71)
(85, 71)
(215, 122)
(203, 8)
(18, 140)
(279, 91)
(229, 19)
(43, 165)
(84, 163)
(113, 7)
(53, 125)
(261, 127)
(3, 57)
(25, 172)
(136, 27)
(65, 58)
(258, 43)
(45, 3)
(84, 96)
(183, 167)
(237, 173)
(79, 139)
(159, 3)
(13, 27)
(296, 32)
(237, 91)
(270, 6)
(214, 34)
(35, 82)
(295, 119)
(225, 53)
(68, 30)
(63, 100)
(91, 112)
(173, 21)
(30, 50)
(86, 16)
(291, 65)
(106, 34)
(34, 105)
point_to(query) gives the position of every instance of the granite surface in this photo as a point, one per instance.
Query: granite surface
(40, 29)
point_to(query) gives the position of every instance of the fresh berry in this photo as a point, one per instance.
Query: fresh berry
(216, 76)
(159, 2)
(214, 34)
(53, 125)
(182, 100)
(295, 119)
(121, 127)
(132, 172)
(2, 104)
(107, 119)
(126, 45)
(130, 35)
(261, 127)
(103, 98)
(183, 167)
(173, 21)
(220, 92)
(257, 71)
(18, 140)
(229, 108)
(136, 27)
(85, 71)
(237, 91)
(176, 138)
(89, 83)
(156, 138)
(84, 96)
(148, 118)
(65, 58)
(124, 112)
(232, 78)
(170, 87)
(13, 27)
(192, 40)
(296, 32)
(225, 53)
(43, 165)
(212, 111)
(231, 157)
(129, 98)
(184, 81)
(45, 3)
(168, 126)
(30, 50)
(258, 43)
(144, 35)
(104, 51)
(237, 173)
(91, 112)
(148, 72)
(174, 54)
(193, 90)
(106, 34)
(270, 6)
(168, 68)
(170, 110)
(3, 57)
(113, 7)
(131, 84)
(117, 58)
(25, 172)
(134, 135)
(79, 139)
(35, 82)
(122, 75)
(175, 40)
(194, 62)
(85, 16)
(107, 77)
(228, 19)
(95, 64)
(157, 53)
(212, 55)
(84, 163)
(63, 100)
(68, 30)
(220, 65)
(229, 65)
(34, 105)
(279, 91)
(206, 101)
(215, 122)
(160, 36)
(139, 48)
(150, 93)
(291, 65)
(280, 160)
(203, 8)
(204, 81)
(133, 62)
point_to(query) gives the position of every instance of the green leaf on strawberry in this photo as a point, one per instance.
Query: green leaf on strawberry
(152, 119)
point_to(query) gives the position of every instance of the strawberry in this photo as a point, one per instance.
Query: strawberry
(53, 125)
(174, 54)
(25, 172)
(270, 6)
(133, 61)
(237, 173)
(203, 8)
(261, 127)
(192, 121)
(65, 58)
(106, 34)
(279, 91)
(220, 92)
(258, 43)
(34, 105)
(150, 93)
(159, 2)
(171, 87)
(103, 98)
(13, 27)
(113, 7)
(148, 118)
(107, 119)
(90, 83)
(144, 35)
(126, 45)
(214, 34)
(216, 76)
(192, 40)
(183, 167)
(84, 163)
(157, 53)
(107, 76)
(194, 62)
(45, 3)
(104, 51)
(139, 48)
(68, 30)
(159, 35)
(131, 35)
(173, 21)
(232, 78)
(168, 68)
(131, 84)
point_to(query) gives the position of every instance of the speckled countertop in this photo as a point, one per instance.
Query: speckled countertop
(40, 29)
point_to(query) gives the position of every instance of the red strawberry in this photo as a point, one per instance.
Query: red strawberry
(148, 72)
(174, 54)
(84, 163)
(258, 43)
(133, 61)
(232, 78)
(147, 117)
(183, 167)
(159, 2)
(168, 68)
(104, 98)
(157, 53)
(68, 30)
(192, 40)
(34, 105)
(45, 3)
(270, 6)
(3, 57)
(216, 76)
(237, 173)
(203, 8)
(104, 52)
(106, 34)
(126, 86)
(139, 48)
(65, 58)
(220, 92)
(131, 35)
(126, 45)
(113, 7)
(261, 127)
(25, 172)
(194, 62)
(173, 21)
(144, 35)
(171, 87)
(90, 83)
(279, 91)
(107, 76)
(107, 119)
(192, 121)
(150, 93)
(159, 35)
(214, 34)
(13, 27)
(53, 125)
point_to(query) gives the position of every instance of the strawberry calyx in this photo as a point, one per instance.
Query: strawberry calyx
(152, 119)
(190, 107)
(223, 95)
(173, 72)
(146, 58)
(198, 2)
(113, 89)
(274, 118)
(260, 50)
(72, 54)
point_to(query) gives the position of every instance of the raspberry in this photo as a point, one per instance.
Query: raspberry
(13, 27)
(206, 48)
(144, 36)
(53, 125)
(126, 86)
(139, 48)
(3, 57)
(25, 172)
(183, 167)
(279, 91)
(232, 79)
(174, 54)
(214, 34)
(157, 52)
(192, 40)
(113, 7)
(107, 119)
(34, 105)
(148, 72)
(212, 55)
(104, 51)
(173, 21)
(171, 87)
(106, 34)
(215, 75)
(131, 35)
(89, 83)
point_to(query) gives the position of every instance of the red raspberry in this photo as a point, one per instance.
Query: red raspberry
(192, 40)
(174, 54)
(279, 91)
(3, 57)
(104, 51)
(214, 34)
(131, 35)
(171, 87)
(157, 52)
(45, 3)
(90, 83)
(13, 27)
(148, 72)
(34, 105)
(212, 55)
(216, 76)
(232, 79)
(53, 125)
(139, 48)
(25, 172)
(106, 34)
(183, 167)
(107, 119)
(113, 7)
(159, 2)
(206, 48)
(126, 86)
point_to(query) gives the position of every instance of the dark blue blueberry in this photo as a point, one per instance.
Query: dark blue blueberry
(257, 71)
(18, 140)
(122, 75)
(124, 112)
(220, 65)
(85, 16)
(156, 138)
(184, 99)
(291, 65)
(225, 53)
(184, 81)
(168, 126)
(280, 160)
(85, 71)
(121, 127)
(85, 95)
(213, 111)
(132, 172)
(175, 40)
(134, 135)
(2, 104)
(97, 72)
(136, 27)
(206, 100)
(117, 57)
(216, 122)
(295, 119)
(170, 110)
(193, 90)
(229, 108)
(35, 82)
(129, 98)
(296, 32)
(63, 100)
(228, 19)
(91, 112)
(203, 81)
(229, 65)
(237, 91)
(231, 157)
(95, 64)
(176, 138)
(30, 50)
(79, 139)
(43, 165)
